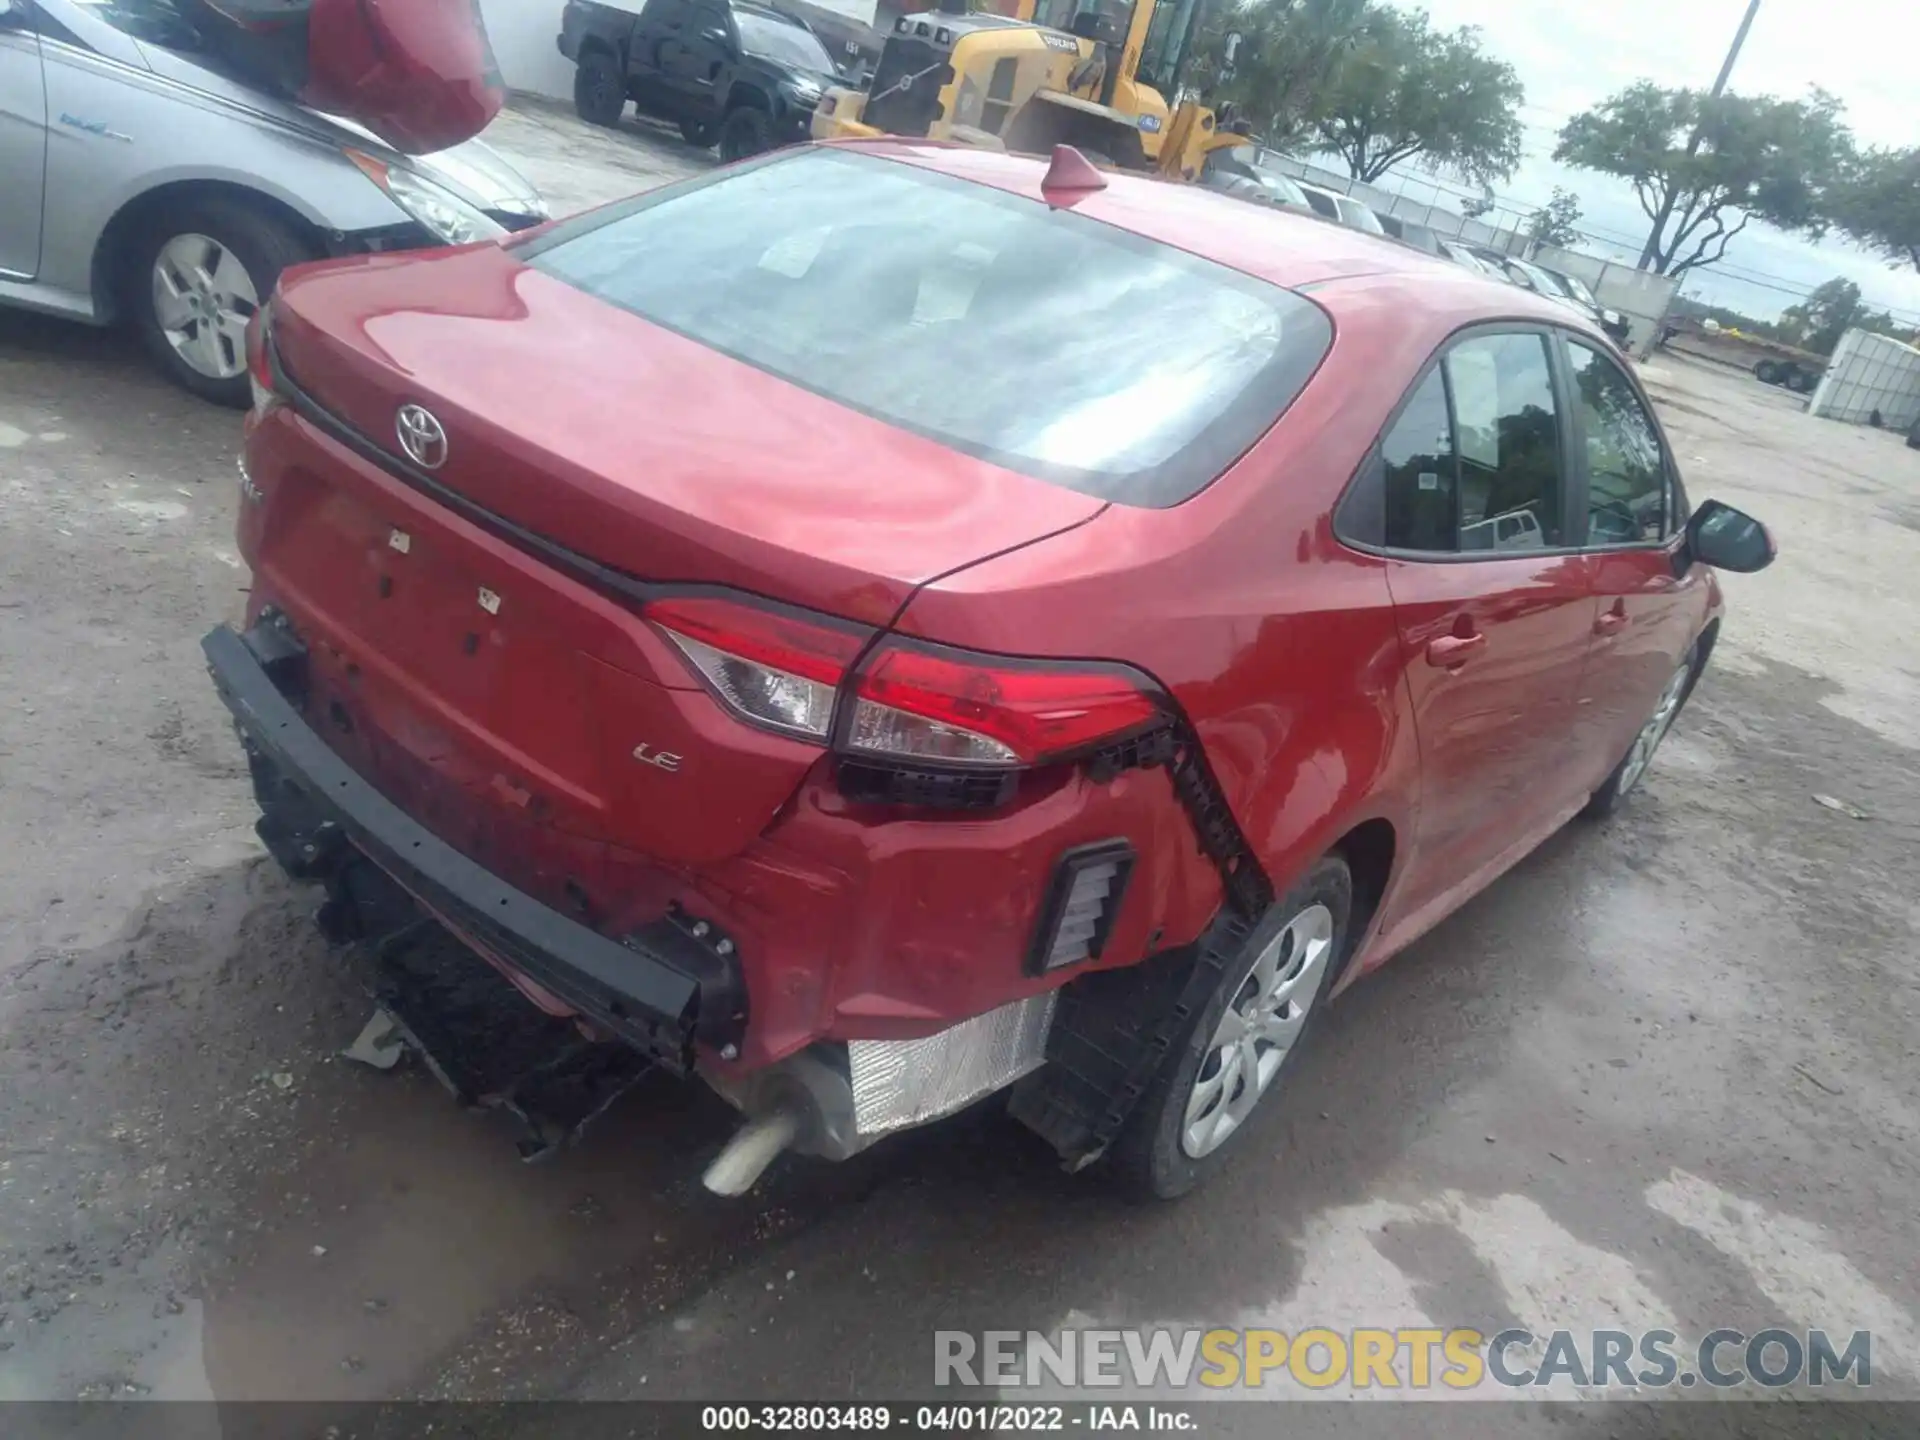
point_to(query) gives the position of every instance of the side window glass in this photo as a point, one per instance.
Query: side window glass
(1627, 500)
(1421, 476)
(1507, 432)
(665, 14)
(154, 22)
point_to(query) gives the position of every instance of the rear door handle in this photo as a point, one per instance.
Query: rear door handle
(1613, 622)
(1452, 651)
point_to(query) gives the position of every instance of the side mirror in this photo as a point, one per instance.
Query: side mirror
(1727, 539)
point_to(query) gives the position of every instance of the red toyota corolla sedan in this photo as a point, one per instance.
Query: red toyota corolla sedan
(884, 624)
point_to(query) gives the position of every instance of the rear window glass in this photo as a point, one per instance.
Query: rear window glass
(1034, 338)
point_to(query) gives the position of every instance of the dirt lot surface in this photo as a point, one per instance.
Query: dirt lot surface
(1664, 1074)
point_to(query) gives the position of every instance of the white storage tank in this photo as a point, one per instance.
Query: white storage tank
(1870, 373)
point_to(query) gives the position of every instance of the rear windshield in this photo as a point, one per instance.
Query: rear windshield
(1034, 338)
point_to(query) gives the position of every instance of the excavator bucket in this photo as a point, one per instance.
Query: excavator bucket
(420, 74)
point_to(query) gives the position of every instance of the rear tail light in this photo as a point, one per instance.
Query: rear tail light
(259, 364)
(925, 705)
(956, 708)
(767, 666)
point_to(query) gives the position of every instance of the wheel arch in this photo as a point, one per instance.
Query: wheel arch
(746, 95)
(111, 253)
(615, 50)
(1371, 849)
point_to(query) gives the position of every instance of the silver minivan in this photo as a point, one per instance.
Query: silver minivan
(142, 185)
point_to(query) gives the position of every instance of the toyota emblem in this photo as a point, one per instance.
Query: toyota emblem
(422, 437)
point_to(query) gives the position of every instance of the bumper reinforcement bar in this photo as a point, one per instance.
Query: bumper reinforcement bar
(635, 989)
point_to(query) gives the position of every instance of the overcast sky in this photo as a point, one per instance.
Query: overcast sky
(1574, 53)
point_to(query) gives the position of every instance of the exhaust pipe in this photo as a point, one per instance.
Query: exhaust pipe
(753, 1147)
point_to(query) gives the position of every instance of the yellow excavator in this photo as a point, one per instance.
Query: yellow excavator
(1100, 75)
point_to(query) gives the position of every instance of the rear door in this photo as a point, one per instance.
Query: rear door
(698, 57)
(659, 37)
(23, 142)
(1649, 604)
(1493, 600)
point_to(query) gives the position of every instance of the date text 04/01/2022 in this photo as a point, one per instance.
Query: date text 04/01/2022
(944, 1419)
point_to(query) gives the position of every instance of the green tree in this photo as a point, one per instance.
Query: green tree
(1290, 48)
(1558, 221)
(1818, 322)
(1878, 204)
(1756, 158)
(1408, 91)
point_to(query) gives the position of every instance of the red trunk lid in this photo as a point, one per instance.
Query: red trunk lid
(420, 74)
(629, 445)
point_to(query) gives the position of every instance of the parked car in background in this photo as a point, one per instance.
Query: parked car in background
(1343, 208)
(1246, 162)
(1258, 187)
(1575, 289)
(1550, 285)
(744, 76)
(1019, 648)
(1241, 187)
(1407, 232)
(144, 186)
(1463, 256)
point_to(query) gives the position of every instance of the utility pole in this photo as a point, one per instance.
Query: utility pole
(1648, 255)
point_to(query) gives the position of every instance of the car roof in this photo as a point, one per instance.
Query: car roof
(1290, 248)
(768, 12)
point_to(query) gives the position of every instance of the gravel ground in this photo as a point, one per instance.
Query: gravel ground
(1664, 1073)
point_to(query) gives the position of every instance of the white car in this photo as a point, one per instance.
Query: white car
(142, 185)
(1345, 209)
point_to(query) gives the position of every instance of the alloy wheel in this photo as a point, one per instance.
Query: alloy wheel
(1259, 1028)
(1655, 730)
(203, 298)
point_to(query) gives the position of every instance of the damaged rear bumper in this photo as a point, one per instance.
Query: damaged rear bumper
(660, 990)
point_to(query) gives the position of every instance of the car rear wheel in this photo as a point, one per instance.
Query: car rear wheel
(197, 280)
(1633, 765)
(1239, 1046)
(699, 132)
(599, 89)
(745, 132)
(1768, 372)
(1801, 382)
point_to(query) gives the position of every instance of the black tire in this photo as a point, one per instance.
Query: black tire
(1801, 382)
(699, 132)
(1619, 784)
(746, 131)
(1150, 1160)
(599, 89)
(263, 243)
(1768, 372)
